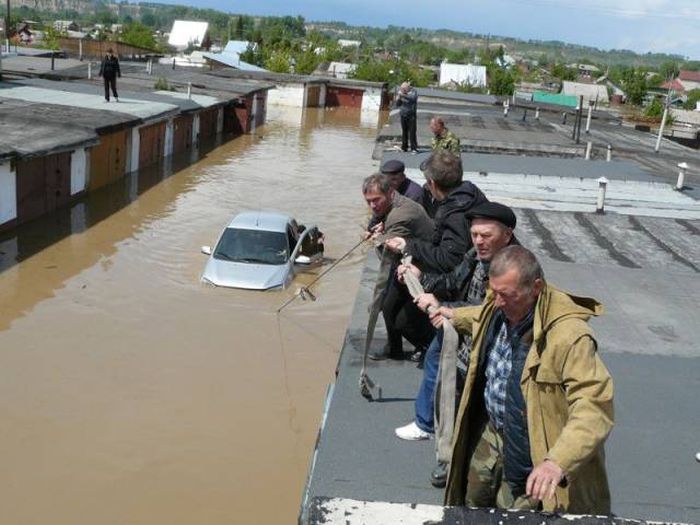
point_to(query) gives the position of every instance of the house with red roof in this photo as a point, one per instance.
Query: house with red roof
(689, 79)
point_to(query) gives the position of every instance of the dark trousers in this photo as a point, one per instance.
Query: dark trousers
(408, 131)
(403, 319)
(110, 82)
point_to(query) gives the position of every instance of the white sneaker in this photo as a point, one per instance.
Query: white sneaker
(412, 432)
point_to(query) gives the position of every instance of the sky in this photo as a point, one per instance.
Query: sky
(664, 26)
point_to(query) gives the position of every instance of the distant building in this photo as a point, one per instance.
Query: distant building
(462, 74)
(341, 70)
(185, 33)
(349, 43)
(24, 33)
(674, 85)
(505, 62)
(596, 93)
(689, 79)
(65, 25)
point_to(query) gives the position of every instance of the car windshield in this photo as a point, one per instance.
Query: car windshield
(252, 246)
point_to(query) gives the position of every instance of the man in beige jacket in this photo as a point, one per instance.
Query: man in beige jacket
(537, 406)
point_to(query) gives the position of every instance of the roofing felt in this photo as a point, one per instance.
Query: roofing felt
(201, 78)
(287, 78)
(649, 290)
(88, 96)
(34, 128)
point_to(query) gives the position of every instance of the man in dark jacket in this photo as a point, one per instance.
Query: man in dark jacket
(407, 102)
(451, 240)
(491, 231)
(109, 71)
(395, 170)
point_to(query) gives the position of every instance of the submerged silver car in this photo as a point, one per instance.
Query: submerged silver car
(258, 251)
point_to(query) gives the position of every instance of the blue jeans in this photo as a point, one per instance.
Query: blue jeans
(425, 400)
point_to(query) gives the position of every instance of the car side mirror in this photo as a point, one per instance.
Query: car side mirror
(206, 250)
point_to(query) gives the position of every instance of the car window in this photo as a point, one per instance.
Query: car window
(252, 246)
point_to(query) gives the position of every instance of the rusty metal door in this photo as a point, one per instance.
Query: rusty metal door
(108, 159)
(43, 185)
(182, 134)
(151, 146)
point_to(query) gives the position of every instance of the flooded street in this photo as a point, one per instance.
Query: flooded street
(132, 393)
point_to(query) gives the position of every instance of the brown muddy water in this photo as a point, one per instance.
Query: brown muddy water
(130, 392)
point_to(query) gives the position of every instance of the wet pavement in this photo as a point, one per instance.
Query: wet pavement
(130, 392)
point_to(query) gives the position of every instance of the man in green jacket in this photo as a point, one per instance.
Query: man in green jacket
(443, 138)
(537, 406)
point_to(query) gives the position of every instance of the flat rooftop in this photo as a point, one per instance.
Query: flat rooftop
(641, 259)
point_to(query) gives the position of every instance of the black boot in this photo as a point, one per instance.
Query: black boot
(438, 477)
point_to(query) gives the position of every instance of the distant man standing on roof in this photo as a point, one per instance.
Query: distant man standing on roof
(537, 405)
(395, 171)
(109, 71)
(455, 197)
(407, 102)
(443, 138)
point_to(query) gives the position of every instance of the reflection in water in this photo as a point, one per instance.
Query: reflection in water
(130, 392)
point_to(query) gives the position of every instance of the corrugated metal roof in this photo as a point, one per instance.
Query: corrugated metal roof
(232, 60)
(236, 46)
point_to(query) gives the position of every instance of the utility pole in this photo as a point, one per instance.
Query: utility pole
(663, 118)
(7, 26)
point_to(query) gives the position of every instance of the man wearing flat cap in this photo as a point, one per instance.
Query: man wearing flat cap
(395, 170)
(491, 230)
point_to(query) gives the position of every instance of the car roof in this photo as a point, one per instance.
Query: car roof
(261, 220)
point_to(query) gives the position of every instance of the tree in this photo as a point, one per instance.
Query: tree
(148, 19)
(693, 99)
(51, 37)
(562, 72)
(669, 70)
(500, 81)
(279, 62)
(139, 35)
(394, 72)
(635, 86)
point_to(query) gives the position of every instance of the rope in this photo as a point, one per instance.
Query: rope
(304, 290)
(447, 372)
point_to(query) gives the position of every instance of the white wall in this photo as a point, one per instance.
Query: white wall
(287, 96)
(135, 150)
(220, 121)
(322, 96)
(463, 73)
(169, 134)
(8, 193)
(195, 129)
(372, 99)
(78, 171)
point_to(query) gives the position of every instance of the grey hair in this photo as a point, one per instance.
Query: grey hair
(521, 259)
(376, 181)
(444, 169)
(439, 121)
